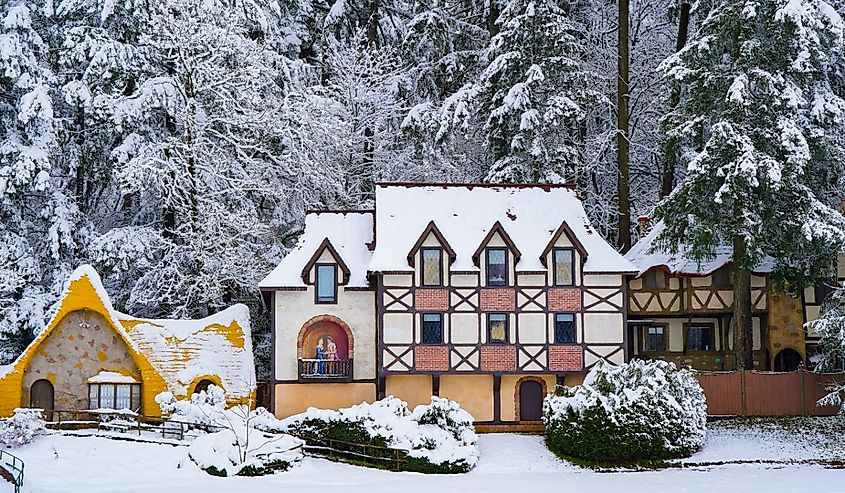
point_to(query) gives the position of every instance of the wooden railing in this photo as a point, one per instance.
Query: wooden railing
(321, 369)
(125, 423)
(382, 457)
(14, 467)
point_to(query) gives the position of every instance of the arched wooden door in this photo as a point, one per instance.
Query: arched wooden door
(41, 397)
(787, 360)
(530, 401)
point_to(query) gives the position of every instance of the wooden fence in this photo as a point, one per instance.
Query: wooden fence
(124, 422)
(752, 393)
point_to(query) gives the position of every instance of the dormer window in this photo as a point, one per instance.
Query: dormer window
(326, 283)
(564, 267)
(497, 266)
(432, 266)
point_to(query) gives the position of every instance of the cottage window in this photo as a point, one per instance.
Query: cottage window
(497, 327)
(655, 279)
(564, 267)
(497, 267)
(722, 278)
(821, 292)
(699, 337)
(114, 396)
(654, 338)
(564, 328)
(326, 289)
(432, 326)
(432, 266)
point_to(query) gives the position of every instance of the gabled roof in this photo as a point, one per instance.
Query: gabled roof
(645, 258)
(564, 229)
(431, 229)
(349, 233)
(325, 245)
(496, 229)
(466, 214)
(178, 351)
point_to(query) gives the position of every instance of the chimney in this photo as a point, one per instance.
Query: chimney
(643, 226)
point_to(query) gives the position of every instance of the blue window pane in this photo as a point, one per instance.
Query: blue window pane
(432, 328)
(497, 269)
(564, 328)
(326, 280)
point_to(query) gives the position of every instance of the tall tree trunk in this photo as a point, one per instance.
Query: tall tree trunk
(667, 179)
(622, 144)
(743, 335)
(492, 15)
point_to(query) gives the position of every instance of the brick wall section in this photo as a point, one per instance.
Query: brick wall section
(565, 300)
(498, 300)
(498, 358)
(569, 357)
(431, 358)
(432, 299)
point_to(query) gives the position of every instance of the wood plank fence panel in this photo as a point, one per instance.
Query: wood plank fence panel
(773, 394)
(723, 393)
(815, 387)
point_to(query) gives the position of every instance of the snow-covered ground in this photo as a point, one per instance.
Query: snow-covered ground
(60, 463)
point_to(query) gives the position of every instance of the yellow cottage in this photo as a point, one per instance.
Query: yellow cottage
(90, 356)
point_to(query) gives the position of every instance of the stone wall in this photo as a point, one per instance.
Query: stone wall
(81, 345)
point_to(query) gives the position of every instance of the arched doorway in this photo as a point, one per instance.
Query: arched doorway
(41, 397)
(324, 349)
(203, 386)
(530, 400)
(787, 360)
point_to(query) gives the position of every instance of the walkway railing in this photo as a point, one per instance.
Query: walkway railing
(321, 369)
(125, 422)
(14, 467)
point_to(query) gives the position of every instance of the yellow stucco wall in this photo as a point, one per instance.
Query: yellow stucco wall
(295, 398)
(473, 392)
(509, 393)
(413, 389)
(573, 379)
(786, 326)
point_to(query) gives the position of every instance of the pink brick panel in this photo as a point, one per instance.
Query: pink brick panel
(569, 357)
(431, 358)
(498, 358)
(564, 300)
(432, 299)
(498, 300)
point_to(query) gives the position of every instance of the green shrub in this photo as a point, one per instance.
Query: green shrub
(633, 412)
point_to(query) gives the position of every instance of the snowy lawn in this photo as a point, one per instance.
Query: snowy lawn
(58, 463)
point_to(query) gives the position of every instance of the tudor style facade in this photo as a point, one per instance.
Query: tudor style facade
(487, 295)
(681, 311)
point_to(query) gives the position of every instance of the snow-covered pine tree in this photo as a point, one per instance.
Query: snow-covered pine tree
(831, 327)
(531, 97)
(39, 230)
(762, 124)
(200, 155)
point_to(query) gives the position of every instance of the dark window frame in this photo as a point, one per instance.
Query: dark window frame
(422, 328)
(574, 328)
(317, 299)
(555, 251)
(711, 327)
(724, 279)
(507, 328)
(439, 267)
(650, 280)
(643, 329)
(487, 266)
(821, 292)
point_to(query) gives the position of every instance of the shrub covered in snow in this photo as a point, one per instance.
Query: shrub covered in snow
(643, 410)
(21, 428)
(436, 438)
(245, 451)
(203, 408)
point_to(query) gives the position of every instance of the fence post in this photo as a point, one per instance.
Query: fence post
(742, 391)
(803, 374)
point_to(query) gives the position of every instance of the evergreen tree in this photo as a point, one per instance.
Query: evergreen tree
(762, 120)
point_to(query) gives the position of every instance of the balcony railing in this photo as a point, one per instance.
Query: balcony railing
(339, 370)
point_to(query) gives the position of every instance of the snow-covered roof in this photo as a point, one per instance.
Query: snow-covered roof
(179, 350)
(112, 377)
(642, 256)
(465, 213)
(184, 351)
(349, 232)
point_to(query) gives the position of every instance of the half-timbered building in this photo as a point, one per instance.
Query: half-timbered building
(485, 294)
(681, 310)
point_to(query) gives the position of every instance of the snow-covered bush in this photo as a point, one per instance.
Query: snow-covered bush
(245, 451)
(242, 442)
(643, 410)
(435, 438)
(21, 428)
(831, 327)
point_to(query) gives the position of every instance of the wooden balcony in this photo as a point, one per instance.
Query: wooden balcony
(314, 370)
